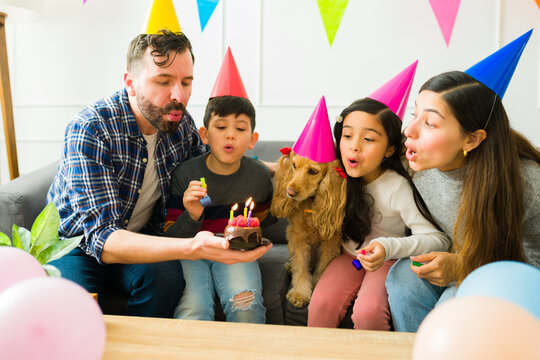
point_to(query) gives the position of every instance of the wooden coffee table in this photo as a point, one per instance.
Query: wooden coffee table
(152, 338)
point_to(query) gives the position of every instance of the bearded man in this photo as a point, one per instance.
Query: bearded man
(113, 179)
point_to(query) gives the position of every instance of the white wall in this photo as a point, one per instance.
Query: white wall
(76, 55)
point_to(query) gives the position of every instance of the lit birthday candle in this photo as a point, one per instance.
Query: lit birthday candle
(233, 209)
(248, 201)
(249, 214)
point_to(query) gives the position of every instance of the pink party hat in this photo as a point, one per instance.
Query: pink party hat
(229, 81)
(395, 93)
(316, 142)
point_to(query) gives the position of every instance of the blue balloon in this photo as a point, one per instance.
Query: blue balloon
(512, 281)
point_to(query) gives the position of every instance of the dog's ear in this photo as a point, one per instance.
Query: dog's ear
(282, 205)
(329, 205)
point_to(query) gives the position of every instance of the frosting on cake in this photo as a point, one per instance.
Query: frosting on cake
(241, 236)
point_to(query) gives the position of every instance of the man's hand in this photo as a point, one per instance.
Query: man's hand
(374, 257)
(210, 247)
(192, 196)
(438, 268)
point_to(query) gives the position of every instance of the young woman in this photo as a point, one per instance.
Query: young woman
(481, 182)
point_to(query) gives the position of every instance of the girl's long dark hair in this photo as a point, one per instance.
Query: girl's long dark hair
(359, 208)
(489, 220)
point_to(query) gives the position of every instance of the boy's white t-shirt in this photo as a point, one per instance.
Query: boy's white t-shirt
(149, 192)
(395, 211)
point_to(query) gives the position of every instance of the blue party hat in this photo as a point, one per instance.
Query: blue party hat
(497, 69)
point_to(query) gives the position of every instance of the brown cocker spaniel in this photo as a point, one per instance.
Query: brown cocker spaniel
(313, 197)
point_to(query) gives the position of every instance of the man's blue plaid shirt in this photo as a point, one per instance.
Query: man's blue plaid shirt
(102, 169)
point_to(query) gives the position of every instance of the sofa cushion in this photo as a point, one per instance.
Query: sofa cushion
(275, 282)
(22, 199)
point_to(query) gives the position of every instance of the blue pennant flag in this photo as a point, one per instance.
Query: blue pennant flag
(206, 9)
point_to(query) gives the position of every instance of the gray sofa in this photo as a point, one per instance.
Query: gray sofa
(22, 199)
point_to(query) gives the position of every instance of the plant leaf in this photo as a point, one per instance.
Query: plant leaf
(4, 240)
(21, 238)
(40, 255)
(52, 270)
(45, 229)
(58, 249)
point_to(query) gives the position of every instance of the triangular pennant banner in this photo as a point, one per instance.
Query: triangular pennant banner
(206, 9)
(538, 3)
(331, 13)
(445, 12)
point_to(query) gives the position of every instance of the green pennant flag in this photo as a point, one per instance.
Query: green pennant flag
(331, 13)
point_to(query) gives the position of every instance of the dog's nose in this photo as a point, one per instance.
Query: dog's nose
(291, 192)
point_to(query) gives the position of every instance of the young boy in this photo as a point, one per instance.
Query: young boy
(231, 178)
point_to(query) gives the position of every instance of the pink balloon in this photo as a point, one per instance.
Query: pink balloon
(477, 327)
(50, 318)
(17, 265)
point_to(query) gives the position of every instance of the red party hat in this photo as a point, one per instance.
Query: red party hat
(229, 81)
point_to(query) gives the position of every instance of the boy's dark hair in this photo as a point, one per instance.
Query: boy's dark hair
(227, 105)
(161, 45)
(359, 210)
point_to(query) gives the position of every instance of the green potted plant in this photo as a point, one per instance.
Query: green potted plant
(42, 242)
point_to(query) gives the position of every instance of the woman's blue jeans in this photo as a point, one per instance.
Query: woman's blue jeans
(412, 298)
(238, 287)
(153, 289)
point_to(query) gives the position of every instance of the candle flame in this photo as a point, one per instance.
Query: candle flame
(235, 206)
(248, 201)
(251, 206)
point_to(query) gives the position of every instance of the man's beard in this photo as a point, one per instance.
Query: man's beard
(154, 114)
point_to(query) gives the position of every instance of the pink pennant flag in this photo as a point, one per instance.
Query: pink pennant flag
(445, 12)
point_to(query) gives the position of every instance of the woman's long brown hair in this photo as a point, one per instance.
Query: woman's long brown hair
(489, 222)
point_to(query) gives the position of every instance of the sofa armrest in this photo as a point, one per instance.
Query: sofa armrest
(22, 199)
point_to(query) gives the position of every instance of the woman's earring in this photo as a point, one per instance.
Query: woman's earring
(465, 153)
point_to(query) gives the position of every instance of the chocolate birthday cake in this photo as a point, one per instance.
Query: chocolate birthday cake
(243, 237)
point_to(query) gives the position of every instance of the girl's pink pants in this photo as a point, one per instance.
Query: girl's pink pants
(340, 285)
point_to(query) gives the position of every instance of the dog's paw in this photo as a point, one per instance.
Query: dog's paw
(298, 298)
